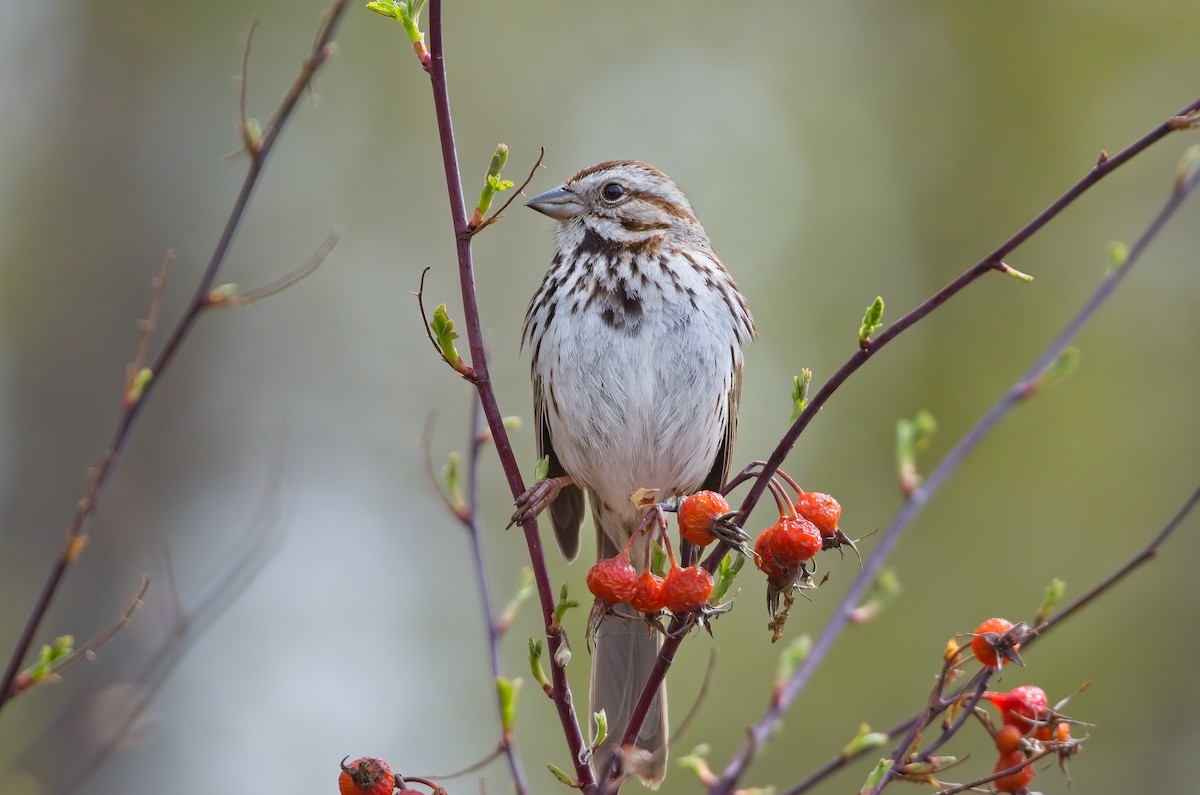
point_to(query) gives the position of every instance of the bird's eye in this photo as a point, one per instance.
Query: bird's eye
(613, 191)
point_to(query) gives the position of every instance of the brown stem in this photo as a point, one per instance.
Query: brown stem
(562, 697)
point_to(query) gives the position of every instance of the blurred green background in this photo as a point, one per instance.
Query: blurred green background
(835, 150)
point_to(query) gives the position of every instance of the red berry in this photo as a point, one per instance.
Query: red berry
(993, 644)
(366, 776)
(613, 580)
(697, 515)
(686, 589)
(768, 556)
(799, 539)
(1021, 706)
(648, 595)
(1008, 739)
(820, 509)
(1014, 782)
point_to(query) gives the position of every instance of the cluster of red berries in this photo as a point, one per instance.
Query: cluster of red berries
(1027, 721)
(805, 527)
(372, 776)
(615, 581)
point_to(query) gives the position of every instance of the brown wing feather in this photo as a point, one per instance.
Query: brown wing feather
(566, 512)
(724, 459)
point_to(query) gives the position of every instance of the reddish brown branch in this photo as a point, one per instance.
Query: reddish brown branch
(563, 700)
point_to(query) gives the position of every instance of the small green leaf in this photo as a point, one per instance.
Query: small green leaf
(875, 777)
(562, 777)
(450, 479)
(525, 589)
(565, 603)
(512, 423)
(492, 184)
(1014, 273)
(1063, 365)
(535, 666)
(726, 572)
(601, 719)
(1189, 165)
(386, 9)
(658, 560)
(507, 689)
(137, 386)
(254, 134)
(49, 656)
(1054, 594)
(865, 740)
(1118, 252)
(696, 763)
(221, 294)
(912, 436)
(872, 320)
(884, 589)
(790, 658)
(800, 392)
(442, 327)
(541, 470)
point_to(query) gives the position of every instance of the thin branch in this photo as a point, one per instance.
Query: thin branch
(471, 522)
(276, 286)
(158, 286)
(88, 650)
(563, 700)
(76, 534)
(957, 788)
(496, 216)
(250, 145)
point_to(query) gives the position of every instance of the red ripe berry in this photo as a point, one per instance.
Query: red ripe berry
(697, 515)
(991, 643)
(1008, 739)
(799, 540)
(1021, 706)
(366, 776)
(1014, 782)
(820, 509)
(765, 547)
(648, 595)
(613, 580)
(686, 589)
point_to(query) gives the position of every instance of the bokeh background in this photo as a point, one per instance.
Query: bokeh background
(835, 150)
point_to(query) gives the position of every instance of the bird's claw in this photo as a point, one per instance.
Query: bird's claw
(536, 499)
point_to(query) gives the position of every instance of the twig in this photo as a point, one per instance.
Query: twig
(276, 286)
(158, 286)
(76, 534)
(998, 774)
(561, 696)
(471, 522)
(88, 650)
(496, 216)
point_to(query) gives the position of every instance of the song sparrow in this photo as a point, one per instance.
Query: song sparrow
(636, 334)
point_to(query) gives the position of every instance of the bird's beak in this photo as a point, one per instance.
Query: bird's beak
(558, 203)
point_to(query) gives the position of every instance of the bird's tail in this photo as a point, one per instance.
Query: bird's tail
(624, 654)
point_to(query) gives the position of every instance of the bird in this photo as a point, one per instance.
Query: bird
(636, 336)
